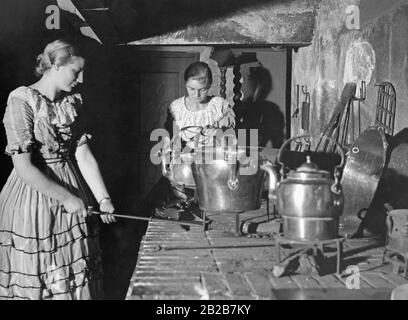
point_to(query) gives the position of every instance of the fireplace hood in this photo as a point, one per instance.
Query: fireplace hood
(201, 22)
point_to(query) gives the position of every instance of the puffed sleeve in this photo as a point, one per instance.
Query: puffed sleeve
(228, 120)
(19, 122)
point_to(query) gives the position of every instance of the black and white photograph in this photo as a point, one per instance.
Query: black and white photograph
(204, 157)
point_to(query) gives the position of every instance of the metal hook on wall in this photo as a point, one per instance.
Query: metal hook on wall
(363, 92)
(305, 109)
(296, 112)
(306, 93)
(353, 115)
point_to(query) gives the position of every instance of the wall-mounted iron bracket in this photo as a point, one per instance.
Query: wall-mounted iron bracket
(296, 112)
(363, 92)
(306, 93)
(305, 109)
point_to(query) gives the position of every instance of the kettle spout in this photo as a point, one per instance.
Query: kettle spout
(273, 179)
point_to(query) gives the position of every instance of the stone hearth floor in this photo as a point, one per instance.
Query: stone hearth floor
(175, 263)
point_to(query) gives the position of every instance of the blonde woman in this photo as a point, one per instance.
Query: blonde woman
(49, 245)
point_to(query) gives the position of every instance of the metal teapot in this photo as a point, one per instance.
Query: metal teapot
(176, 164)
(178, 171)
(309, 201)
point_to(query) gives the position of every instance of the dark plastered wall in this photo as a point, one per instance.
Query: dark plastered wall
(387, 34)
(21, 29)
(380, 53)
(318, 68)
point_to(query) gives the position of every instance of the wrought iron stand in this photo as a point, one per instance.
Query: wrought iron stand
(314, 244)
(402, 255)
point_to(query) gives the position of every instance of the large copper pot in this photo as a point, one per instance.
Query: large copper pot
(228, 180)
(364, 168)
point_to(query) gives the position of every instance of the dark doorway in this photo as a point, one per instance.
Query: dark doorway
(141, 84)
(146, 83)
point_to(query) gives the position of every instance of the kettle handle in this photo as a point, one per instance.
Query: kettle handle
(166, 164)
(388, 220)
(337, 169)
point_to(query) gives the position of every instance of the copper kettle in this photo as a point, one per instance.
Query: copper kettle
(309, 201)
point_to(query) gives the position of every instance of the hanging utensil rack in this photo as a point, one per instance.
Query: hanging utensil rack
(386, 107)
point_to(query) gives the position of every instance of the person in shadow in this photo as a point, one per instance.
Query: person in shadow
(256, 112)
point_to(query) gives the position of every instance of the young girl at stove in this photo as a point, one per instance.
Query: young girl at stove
(195, 118)
(197, 114)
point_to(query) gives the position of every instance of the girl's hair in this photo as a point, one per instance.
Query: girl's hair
(58, 52)
(198, 71)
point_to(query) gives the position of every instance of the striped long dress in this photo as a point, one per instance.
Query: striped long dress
(44, 252)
